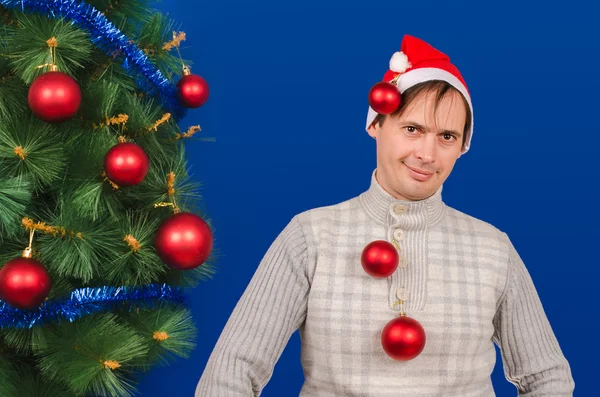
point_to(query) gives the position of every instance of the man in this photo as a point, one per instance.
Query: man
(460, 278)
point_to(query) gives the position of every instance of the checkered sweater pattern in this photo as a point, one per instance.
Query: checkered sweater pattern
(464, 282)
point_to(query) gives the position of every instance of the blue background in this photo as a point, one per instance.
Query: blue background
(289, 84)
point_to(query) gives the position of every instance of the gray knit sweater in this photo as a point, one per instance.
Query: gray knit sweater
(462, 280)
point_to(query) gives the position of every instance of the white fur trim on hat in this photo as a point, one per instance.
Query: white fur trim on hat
(416, 76)
(399, 62)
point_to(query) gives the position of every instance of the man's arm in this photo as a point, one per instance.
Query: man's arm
(532, 358)
(270, 310)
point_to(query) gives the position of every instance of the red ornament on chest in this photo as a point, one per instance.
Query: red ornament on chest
(403, 338)
(379, 259)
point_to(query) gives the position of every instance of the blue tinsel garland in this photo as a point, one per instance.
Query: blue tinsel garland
(109, 39)
(84, 301)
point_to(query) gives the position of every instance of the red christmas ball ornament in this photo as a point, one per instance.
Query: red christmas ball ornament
(379, 259)
(184, 241)
(54, 97)
(126, 164)
(384, 97)
(24, 283)
(403, 338)
(192, 89)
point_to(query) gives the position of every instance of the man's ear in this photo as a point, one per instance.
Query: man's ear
(373, 129)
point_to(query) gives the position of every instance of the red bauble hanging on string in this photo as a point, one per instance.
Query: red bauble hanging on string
(126, 164)
(379, 259)
(384, 97)
(192, 89)
(24, 283)
(54, 96)
(184, 241)
(403, 338)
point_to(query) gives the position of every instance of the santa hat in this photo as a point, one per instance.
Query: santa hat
(417, 62)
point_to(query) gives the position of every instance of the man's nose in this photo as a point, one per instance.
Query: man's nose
(426, 149)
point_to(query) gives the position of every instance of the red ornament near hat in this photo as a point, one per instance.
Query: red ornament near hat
(384, 96)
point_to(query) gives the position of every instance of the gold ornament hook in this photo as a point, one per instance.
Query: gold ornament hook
(177, 39)
(52, 44)
(27, 252)
(402, 313)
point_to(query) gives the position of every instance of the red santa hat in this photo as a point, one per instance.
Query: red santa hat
(417, 62)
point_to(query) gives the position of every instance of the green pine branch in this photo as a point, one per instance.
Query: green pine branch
(169, 332)
(15, 197)
(27, 48)
(95, 355)
(30, 148)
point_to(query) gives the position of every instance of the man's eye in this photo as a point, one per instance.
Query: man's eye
(449, 136)
(411, 129)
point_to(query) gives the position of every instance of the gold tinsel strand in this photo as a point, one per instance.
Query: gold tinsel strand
(112, 364)
(191, 131)
(19, 151)
(160, 336)
(122, 139)
(29, 224)
(177, 39)
(132, 243)
(171, 183)
(165, 117)
(52, 42)
(105, 178)
(170, 192)
(120, 119)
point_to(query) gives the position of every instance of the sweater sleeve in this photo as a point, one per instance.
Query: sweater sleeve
(532, 358)
(271, 309)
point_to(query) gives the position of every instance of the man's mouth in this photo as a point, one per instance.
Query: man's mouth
(419, 174)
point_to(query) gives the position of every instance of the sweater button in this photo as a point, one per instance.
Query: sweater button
(400, 209)
(402, 294)
(399, 234)
(403, 261)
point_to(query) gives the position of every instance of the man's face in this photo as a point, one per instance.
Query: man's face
(420, 139)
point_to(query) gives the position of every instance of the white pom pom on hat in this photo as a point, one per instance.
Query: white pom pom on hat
(417, 62)
(399, 62)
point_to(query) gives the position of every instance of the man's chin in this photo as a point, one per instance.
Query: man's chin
(414, 189)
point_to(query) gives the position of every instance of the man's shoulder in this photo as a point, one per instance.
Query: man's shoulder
(472, 224)
(330, 212)
(351, 204)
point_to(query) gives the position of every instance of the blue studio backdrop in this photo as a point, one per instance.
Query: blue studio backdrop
(288, 102)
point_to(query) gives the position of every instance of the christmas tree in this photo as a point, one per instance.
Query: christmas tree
(100, 227)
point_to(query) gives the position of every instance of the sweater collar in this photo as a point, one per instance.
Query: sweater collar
(385, 209)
